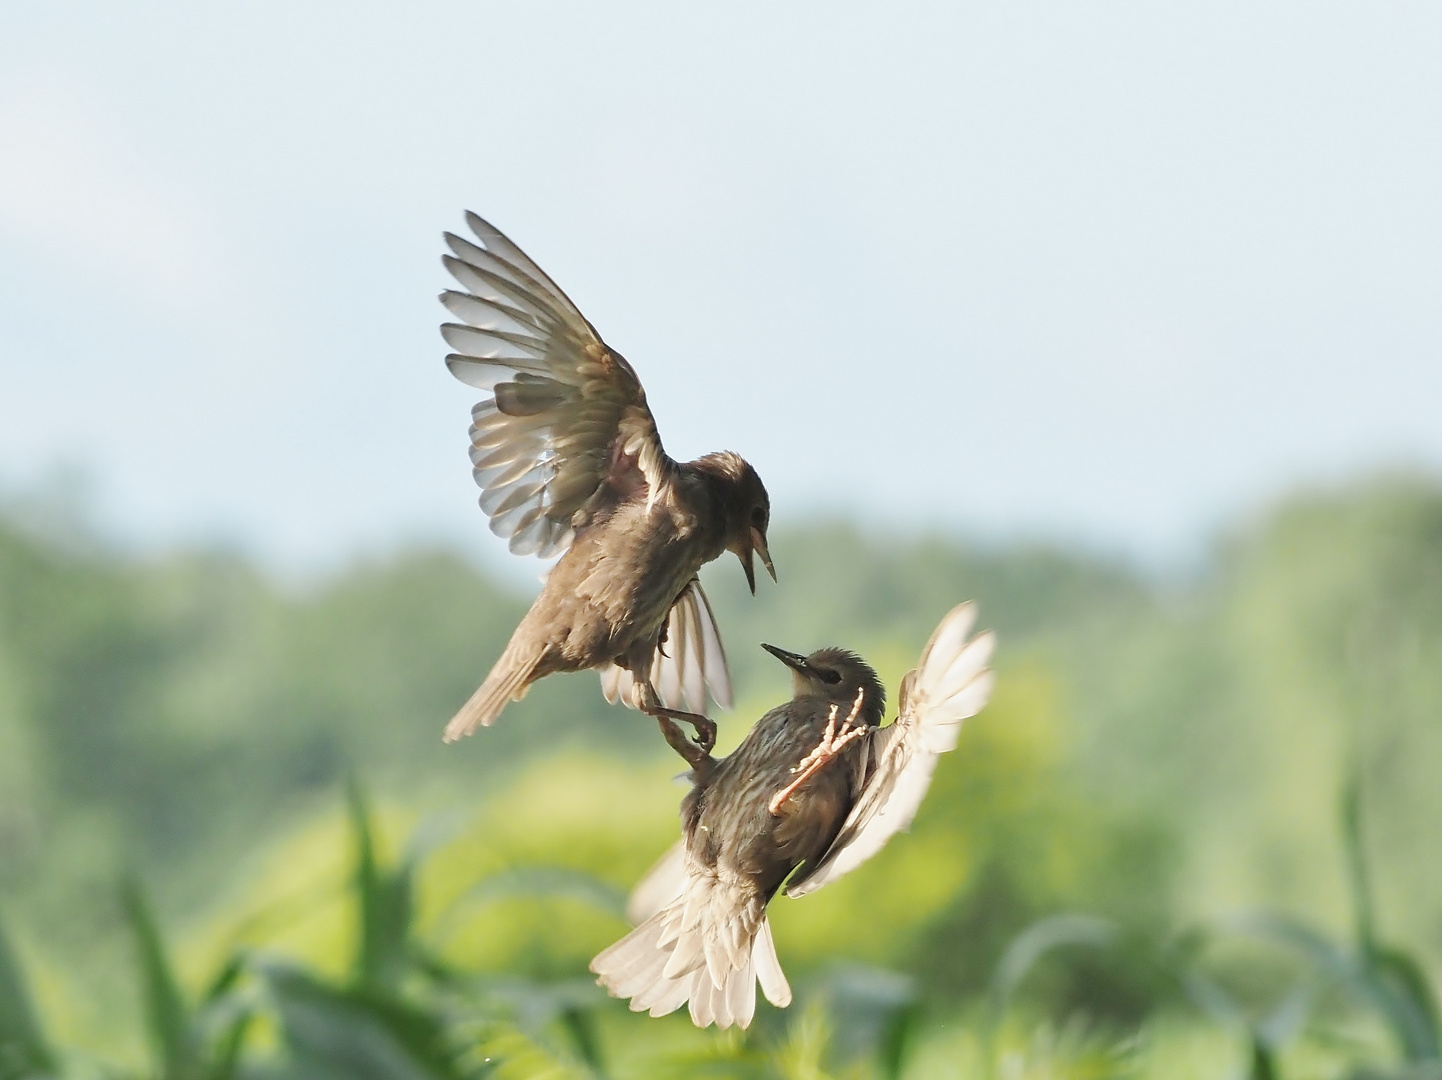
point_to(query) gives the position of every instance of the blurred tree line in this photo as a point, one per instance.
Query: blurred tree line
(1164, 758)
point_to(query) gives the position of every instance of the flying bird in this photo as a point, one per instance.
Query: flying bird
(815, 789)
(565, 451)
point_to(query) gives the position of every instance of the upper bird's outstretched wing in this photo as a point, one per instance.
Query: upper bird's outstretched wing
(566, 419)
(950, 683)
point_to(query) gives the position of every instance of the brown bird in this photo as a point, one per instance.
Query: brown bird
(815, 789)
(566, 454)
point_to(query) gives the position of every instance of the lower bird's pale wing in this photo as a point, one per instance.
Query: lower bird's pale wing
(565, 420)
(950, 683)
(690, 663)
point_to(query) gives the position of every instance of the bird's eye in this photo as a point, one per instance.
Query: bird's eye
(831, 678)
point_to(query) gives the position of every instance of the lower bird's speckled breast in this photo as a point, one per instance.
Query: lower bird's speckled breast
(732, 816)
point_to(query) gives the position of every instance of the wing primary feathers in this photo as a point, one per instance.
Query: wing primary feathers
(482, 374)
(490, 314)
(562, 406)
(499, 242)
(505, 275)
(483, 283)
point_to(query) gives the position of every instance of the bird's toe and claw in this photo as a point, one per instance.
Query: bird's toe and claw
(705, 740)
(833, 741)
(649, 703)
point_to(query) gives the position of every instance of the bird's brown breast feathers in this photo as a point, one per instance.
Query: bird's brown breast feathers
(615, 586)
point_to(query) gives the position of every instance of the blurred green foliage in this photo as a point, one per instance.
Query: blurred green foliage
(1134, 864)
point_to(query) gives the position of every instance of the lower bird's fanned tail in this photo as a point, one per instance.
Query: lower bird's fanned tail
(703, 948)
(507, 682)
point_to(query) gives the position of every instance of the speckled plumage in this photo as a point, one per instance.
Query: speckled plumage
(725, 817)
(703, 935)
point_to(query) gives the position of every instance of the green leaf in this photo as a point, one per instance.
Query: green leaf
(1264, 1062)
(896, 1039)
(24, 1051)
(556, 882)
(225, 979)
(166, 1015)
(1334, 958)
(357, 1033)
(580, 1026)
(506, 1053)
(1040, 938)
(226, 1062)
(1358, 878)
(1402, 995)
(385, 905)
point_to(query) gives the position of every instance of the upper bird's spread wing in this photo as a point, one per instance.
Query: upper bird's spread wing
(950, 683)
(565, 420)
(686, 666)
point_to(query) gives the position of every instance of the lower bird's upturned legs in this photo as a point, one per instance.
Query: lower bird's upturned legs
(831, 744)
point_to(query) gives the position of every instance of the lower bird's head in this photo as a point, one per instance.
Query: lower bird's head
(836, 675)
(747, 510)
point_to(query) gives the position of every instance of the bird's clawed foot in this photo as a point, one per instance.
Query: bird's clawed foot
(831, 744)
(697, 752)
(705, 740)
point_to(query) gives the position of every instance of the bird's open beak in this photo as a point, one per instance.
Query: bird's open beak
(794, 661)
(758, 545)
(746, 564)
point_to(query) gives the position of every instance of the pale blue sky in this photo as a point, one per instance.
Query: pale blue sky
(1109, 271)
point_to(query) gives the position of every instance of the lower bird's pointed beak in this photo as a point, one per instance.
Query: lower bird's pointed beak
(758, 544)
(795, 661)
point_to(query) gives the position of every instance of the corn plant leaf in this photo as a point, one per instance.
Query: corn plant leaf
(24, 1051)
(166, 1015)
(1404, 998)
(358, 1033)
(1042, 937)
(384, 896)
(225, 1064)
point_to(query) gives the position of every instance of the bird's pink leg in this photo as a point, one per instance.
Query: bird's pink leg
(831, 744)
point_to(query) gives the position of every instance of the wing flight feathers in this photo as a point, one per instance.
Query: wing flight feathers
(566, 425)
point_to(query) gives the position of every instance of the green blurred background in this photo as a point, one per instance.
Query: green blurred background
(1137, 862)
(1119, 275)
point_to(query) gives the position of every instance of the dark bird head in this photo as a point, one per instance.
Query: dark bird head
(746, 508)
(835, 675)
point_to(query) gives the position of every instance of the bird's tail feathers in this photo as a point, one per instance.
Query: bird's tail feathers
(768, 967)
(702, 949)
(508, 681)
